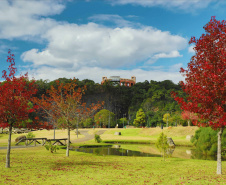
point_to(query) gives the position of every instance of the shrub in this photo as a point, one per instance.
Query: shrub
(205, 141)
(97, 138)
(51, 148)
(30, 135)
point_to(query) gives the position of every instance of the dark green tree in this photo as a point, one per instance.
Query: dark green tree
(140, 118)
(104, 117)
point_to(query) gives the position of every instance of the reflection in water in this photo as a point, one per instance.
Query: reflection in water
(188, 152)
(169, 151)
(115, 150)
(120, 150)
(199, 155)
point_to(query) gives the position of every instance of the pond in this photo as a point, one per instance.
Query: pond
(114, 150)
(143, 150)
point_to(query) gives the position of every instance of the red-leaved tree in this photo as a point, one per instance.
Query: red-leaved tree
(189, 116)
(205, 80)
(64, 103)
(15, 96)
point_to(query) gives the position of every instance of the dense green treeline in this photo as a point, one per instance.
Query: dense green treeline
(153, 97)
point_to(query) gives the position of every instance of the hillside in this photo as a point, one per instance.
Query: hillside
(150, 135)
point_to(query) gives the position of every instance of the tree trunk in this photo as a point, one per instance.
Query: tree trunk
(9, 148)
(189, 123)
(219, 166)
(68, 142)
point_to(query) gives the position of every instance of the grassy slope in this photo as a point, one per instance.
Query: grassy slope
(38, 166)
(178, 134)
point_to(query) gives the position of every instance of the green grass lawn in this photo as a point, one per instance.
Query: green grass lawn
(150, 135)
(38, 166)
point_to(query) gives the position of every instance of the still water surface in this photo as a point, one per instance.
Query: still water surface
(144, 151)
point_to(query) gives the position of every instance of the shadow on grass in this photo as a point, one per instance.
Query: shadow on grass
(68, 165)
(3, 154)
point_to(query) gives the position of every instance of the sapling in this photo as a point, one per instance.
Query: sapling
(162, 144)
(52, 148)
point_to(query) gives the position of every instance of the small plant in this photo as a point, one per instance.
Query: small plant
(51, 148)
(162, 145)
(30, 135)
(97, 138)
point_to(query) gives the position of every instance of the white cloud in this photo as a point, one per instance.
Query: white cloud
(191, 49)
(26, 19)
(118, 20)
(96, 74)
(188, 5)
(94, 45)
(175, 67)
(86, 51)
(172, 54)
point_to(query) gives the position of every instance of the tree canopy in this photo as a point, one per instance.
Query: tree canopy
(15, 106)
(63, 101)
(105, 118)
(140, 118)
(205, 80)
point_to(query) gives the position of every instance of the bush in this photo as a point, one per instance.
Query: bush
(97, 138)
(205, 140)
(51, 148)
(30, 135)
(19, 138)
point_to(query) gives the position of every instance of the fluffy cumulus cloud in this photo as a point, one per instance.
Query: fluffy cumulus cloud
(90, 50)
(27, 19)
(172, 54)
(179, 4)
(191, 49)
(94, 45)
(96, 73)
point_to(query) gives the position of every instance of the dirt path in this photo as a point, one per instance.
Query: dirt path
(87, 136)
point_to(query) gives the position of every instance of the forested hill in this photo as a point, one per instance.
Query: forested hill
(153, 97)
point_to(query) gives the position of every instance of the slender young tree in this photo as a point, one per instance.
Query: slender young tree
(15, 96)
(64, 102)
(205, 80)
(167, 119)
(162, 144)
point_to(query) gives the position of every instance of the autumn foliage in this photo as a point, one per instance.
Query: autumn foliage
(189, 116)
(205, 77)
(205, 80)
(15, 102)
(15, 95)
(63, 106)
(64, 101)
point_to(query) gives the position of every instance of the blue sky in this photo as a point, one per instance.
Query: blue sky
(88, 39)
